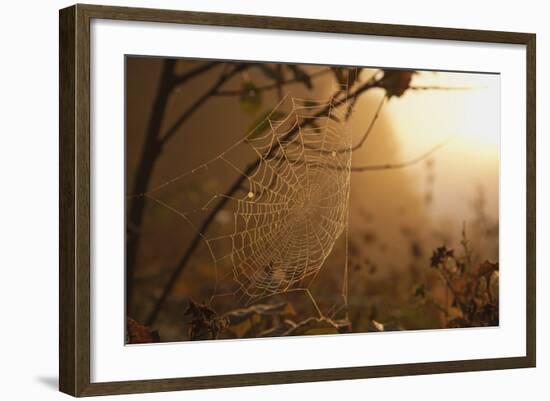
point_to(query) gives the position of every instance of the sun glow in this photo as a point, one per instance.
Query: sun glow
(463, 109)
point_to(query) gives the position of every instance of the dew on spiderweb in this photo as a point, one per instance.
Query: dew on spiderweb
(300, 192)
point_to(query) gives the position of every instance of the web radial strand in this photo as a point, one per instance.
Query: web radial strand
(297, 205)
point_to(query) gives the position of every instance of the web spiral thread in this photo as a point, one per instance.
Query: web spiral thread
(295, 206)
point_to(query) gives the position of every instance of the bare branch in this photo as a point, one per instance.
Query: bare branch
(391, 166)
(237, 185)
(239, 92)
(365, 135)
(441, 88)
(371, 125)
(182, 263)
(180, 79)
(375, 167)
(198, 103)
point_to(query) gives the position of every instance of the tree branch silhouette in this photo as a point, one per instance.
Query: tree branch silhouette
(149, 154)
(371, 125)
(183, 78)
(152, 150)
(200, 101)
(392, 166)
(276, 85)
(223, 200)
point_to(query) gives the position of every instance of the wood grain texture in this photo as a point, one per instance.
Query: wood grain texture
(300, 376)
(74, 203)
(301, 24)
(531, 178)
(74, 288)
(67, 100)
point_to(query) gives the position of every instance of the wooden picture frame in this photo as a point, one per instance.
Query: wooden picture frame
(74, 117)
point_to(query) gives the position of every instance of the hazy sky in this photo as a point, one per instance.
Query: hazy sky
(392, 225)
(393, 201)
(470, 118)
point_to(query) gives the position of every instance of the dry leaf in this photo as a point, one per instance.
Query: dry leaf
(139, 334)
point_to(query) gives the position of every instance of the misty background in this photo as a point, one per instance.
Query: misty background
(397, 215)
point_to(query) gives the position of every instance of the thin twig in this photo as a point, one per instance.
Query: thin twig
(238, 92)
(180, 266)
(198, 103)
(441, 88)
(371, 125)
(280, 80)
(450, 287)
(391, 166)
(180, 79)
(223, 200)
(374, 167)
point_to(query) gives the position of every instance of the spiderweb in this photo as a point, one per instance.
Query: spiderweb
(291, 205)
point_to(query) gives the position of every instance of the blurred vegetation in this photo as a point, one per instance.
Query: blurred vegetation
(447, 281)
(448, 287)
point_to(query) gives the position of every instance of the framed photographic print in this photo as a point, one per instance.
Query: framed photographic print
(252, 200)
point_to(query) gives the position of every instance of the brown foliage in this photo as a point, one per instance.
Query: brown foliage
(139, 334)
(474, 289)
(205, 324)
(396, 82)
